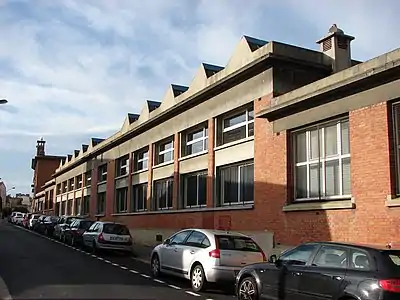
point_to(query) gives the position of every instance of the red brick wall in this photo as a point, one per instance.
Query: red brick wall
(110, 194)
(45, 168)
(93, 193)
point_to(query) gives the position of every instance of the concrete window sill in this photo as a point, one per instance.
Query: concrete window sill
(326, 205)
(392, 201)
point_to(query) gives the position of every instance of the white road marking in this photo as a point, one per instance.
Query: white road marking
(134, 272)
(4, 292)
(98, 257)
(192, 293)
(123, 267)
(159, 281)
(145, 276)
(174, 286)
(107, 261)
(93, 256)
(115, 265)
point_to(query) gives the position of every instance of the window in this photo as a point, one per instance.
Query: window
(165, 151)
(102, 173)
(179, 238)
(197, 239)
(139, 197)
(69, 207)
(142, 159)
(298, 256)
(71, 184)
(88, 178)
(322, 161)
(121, 198)
(236, 183)
(58, 190)
(238, 126)
(163, 193)
(195, 141)
(195, 189)
(360, 260)
(51, 199)
(101, 203)
(78, 206)
(331, 257)
(85, 205)
(79, 181)
(122, 166)
(64, 187)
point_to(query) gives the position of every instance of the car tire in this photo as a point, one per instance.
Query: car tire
(155, 266)
(247, 289)
(198, 278)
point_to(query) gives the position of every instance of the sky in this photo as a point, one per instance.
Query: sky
(73, 69)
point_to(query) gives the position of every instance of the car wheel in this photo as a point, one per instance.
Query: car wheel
(247, 289)
(155, 266)
(198, 278)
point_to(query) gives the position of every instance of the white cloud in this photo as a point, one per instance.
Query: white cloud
(72, 68)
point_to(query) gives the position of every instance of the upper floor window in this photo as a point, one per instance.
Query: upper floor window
(102, 173)
(88, 178)
(122, 165)
(141, 159)
(236, 126)
(79, 181)
(322, 161)
(58, 189)
(195, 141)
(71, 184)
(165, 151)
(64, 187)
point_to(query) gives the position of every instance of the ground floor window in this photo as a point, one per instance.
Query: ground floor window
(121, 200)
(236, 183)
(139, 197)
(163, 194)
(63, 206)
(78, 203)
(57, 209)
(69, 207)
(101, 203)
(195, 189)
(322, 161)
(85, 205)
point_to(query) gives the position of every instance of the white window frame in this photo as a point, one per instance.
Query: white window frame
(197, 175)
(103, 172)
(135, 200)
(80, 182)
(396, 127)
(118, 193)
(165, 151)
(88, 179)
(165, 181)
(238, 202)
(204, 139)
(338, 157)
(244, 123)
(123, 166)
(142, 160)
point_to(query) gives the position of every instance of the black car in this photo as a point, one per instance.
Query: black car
(324, 271)
(73, 233)
(46, 226)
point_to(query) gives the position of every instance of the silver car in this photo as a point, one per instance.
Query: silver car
(205, 256)
(108, 236)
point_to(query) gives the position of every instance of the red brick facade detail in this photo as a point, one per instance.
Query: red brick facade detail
(211, 163)
(129, 194)
(150, 176)
(175, 194)
(110, 186)
(93, 193)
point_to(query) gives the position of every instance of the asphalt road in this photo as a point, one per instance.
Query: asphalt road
(35, 267)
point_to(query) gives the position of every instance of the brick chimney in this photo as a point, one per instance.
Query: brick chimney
(40, 151)
(336, 47)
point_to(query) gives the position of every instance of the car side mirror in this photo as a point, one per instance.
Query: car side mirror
(166, 242)
(273, 259)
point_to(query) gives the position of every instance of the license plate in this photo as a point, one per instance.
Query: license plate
(116, 238)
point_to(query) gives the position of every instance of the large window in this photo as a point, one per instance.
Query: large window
(88, 178)
(78, 206)
(237, 126)
(139, 197)
(64, 187)
(102, 173)
(195, 141)
(79, 181)
(236, 183)
(58, 189)
(122, 166)
(85, 205)
(51, 199)
(101, 203)
(121, 200)
(71, 184)
(322, 161)
(165, 151)
(195, 189)
(163, 193)
(141, 160)
(69, 207)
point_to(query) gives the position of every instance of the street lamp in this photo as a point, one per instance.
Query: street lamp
(13, 188)
(3, 101)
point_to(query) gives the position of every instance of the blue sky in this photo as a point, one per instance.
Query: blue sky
(73, 69)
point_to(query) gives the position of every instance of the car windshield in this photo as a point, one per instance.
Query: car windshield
(115, 229)
(85, 224)
(394, 258)
(237, 243)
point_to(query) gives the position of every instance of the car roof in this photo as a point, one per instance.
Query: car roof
(109, 222)
(378, 247)
(216, 232)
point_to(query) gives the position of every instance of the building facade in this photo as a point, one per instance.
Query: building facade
(284, 143)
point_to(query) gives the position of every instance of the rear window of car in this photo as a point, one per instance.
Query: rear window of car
(394, 257)
(115, 229)
(35, 217)
(85, 224)
(237, 243)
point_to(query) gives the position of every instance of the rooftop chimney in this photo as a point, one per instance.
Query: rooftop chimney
(336, 47)
(40, 147)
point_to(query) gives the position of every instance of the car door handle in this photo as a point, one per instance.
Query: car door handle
(337, 277)
(192, 252)
(296, 273)
(176, 250)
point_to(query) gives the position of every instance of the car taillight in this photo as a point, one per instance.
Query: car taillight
(263, 256)
(215, 253)
(390, 285)
(100, 239)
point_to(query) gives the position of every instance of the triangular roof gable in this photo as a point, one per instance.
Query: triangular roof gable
(95, 141)
(199, 81)
(173, 91)
(148, 107)
(129, 119)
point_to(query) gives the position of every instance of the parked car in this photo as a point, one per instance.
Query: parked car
(63, 223)
(32, 220)
(37, 224)
(205, 256)
(18, 218)
(25, 221)
(73, 233)
(324, 271)
(46, 226)
(108, 236)
(10, 217)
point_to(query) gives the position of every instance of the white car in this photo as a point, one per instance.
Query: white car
(18, 218)
(204, 256)
(32, 220)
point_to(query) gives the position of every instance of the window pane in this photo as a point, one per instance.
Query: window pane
(170, 193)
(234, 120)
(331, 140)
(191, 190)
(234, 135)
(346, 176)
(195, 135)
(229, 185)
(301, 149)
(315, 180)
(251, 129)
(247, 183)
(332, 178)
(195, 147)
(251, 114)
(168, 156)
(316, 144)
(301, 182)
(202, 196)
(167, 145)
(345, 137)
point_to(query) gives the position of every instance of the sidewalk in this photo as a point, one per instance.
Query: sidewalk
(142, 252)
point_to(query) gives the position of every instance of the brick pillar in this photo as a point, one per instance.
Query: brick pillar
(211, 163)
(74, 198)
(110, 189)
(175, 193)
(129, 196)
(93, 193)
(150, 177)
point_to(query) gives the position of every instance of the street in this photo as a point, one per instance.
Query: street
(33, 266)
